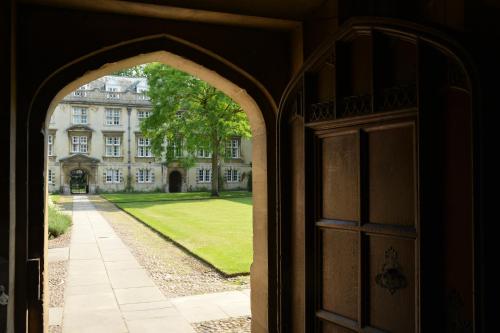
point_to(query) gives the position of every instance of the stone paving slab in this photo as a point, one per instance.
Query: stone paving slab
(58, 254)
(207, 307)
(55, 316)
(103, 275)
(138, 295)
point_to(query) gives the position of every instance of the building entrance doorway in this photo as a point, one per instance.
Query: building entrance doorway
(174, 182)
(78, 182)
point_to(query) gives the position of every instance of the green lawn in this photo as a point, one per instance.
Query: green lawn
(217, 230)
(140, 197)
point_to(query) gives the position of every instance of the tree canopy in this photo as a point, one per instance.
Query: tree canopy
(136, 71)
(190, 115)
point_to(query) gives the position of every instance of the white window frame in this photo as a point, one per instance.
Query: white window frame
(50, 145)
(232, 175)
(176, 147)
(233, 146)
(145, 176)
(79, 144)
(112, 146)
(141, 115)
(203, 153)
(80, 116)
(204, 175)
(113, 176)
(112, 116)
(81, 91)
(144, 147)
(112, 92)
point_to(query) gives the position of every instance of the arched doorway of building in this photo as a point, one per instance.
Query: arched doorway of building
(261, 280)
(174, 182)
(79, 182)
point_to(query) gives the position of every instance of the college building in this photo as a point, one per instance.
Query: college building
(95, 145)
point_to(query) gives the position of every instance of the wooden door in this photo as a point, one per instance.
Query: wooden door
(368, 243)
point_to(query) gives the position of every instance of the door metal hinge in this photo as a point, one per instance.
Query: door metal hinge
(33, 287)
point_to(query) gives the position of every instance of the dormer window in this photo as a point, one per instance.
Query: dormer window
(112, 92)
(81, 91)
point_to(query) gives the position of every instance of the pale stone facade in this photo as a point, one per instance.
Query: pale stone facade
(95, 143)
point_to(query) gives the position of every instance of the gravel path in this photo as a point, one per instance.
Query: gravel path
(175, 272)
(233, 325)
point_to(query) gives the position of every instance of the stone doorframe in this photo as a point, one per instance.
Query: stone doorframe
(83, 162)
(247, 92)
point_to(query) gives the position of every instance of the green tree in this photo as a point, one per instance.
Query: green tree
(136, 71)
(190, 115)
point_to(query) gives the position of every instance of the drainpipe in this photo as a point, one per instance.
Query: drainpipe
(129, 151)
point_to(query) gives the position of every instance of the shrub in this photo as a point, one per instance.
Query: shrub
(58, 222)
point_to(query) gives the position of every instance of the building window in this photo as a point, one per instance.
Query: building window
(203, 153)
(80, 92)
(113, 176)
(141, 115)
(51, 177)
(79, 144)
(113, 116)
(174, 148)
(113, 146)
(80, 116)
(203, 175)
(112, 93)
(144, 147)
(145, 176)
(233, 148)
(232, 175)
(50, 145)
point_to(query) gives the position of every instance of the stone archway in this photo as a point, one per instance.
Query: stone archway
(175, 182)
(263, 270)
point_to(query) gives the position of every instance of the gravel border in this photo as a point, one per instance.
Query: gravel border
(233, 325)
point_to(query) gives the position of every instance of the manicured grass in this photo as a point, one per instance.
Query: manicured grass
(55, 198)
(58, 222)
(140, 197)
(217, 230)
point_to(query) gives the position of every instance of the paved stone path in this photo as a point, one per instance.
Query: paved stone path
(108, 291)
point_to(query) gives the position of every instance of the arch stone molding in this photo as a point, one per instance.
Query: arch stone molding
(257, 103)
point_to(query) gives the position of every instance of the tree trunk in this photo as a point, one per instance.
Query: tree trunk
(215, 171)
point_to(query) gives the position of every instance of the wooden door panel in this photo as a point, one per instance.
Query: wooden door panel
(341, 177)
(340, 272)
(391, 284)
(391, 174)
(366, 229)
